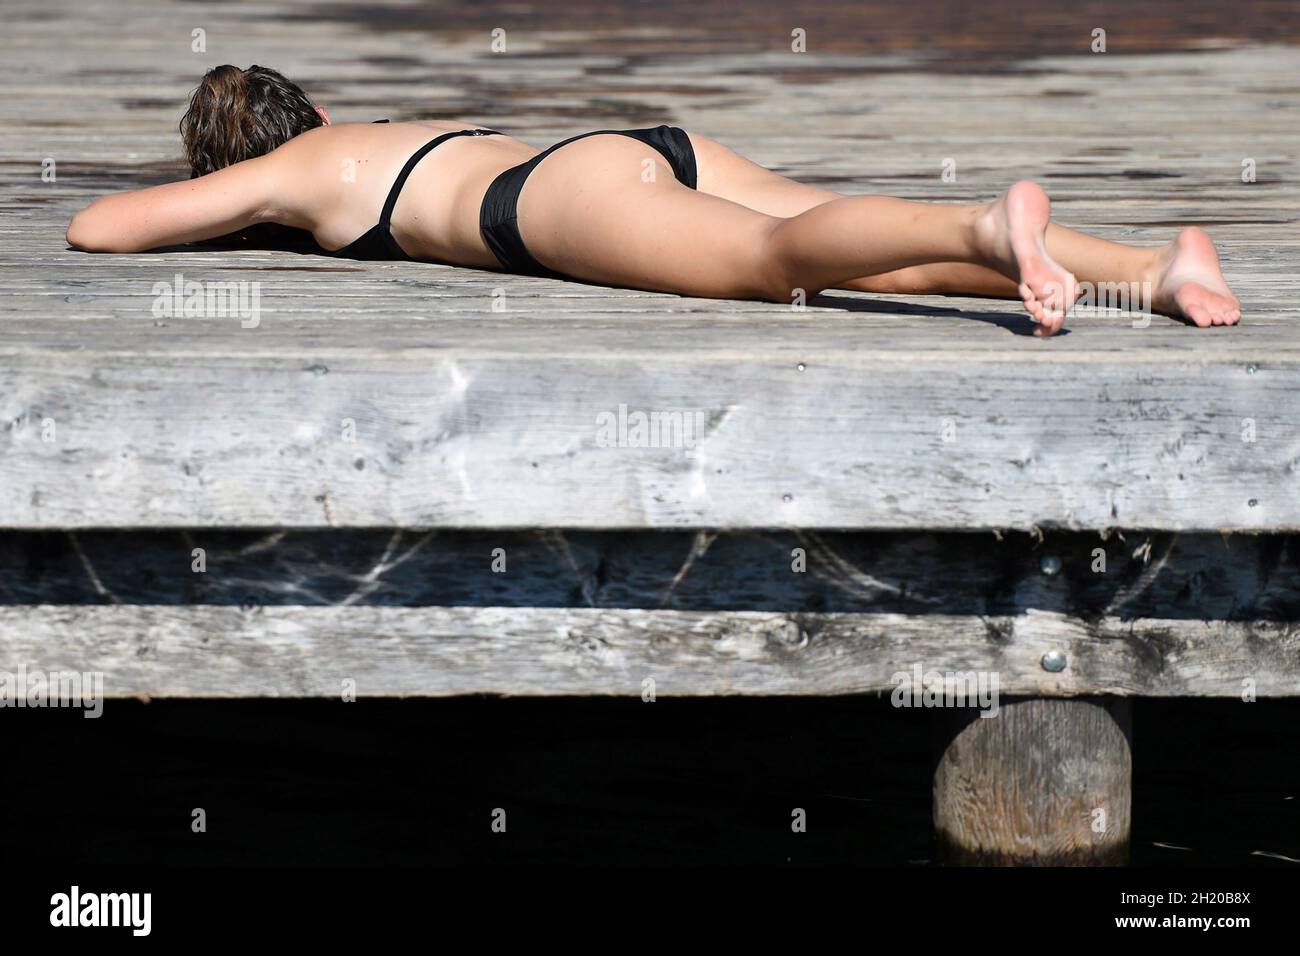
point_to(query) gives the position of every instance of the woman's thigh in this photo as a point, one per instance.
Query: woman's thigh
(608, 209)
(726, 174)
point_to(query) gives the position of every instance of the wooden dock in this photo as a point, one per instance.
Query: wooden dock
(871, 483)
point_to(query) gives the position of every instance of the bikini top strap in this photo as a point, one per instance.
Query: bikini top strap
(391, 202)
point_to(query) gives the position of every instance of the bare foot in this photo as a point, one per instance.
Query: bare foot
(1010, 234)
(1188, 284)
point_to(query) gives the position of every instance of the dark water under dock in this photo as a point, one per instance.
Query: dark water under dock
(696, 781)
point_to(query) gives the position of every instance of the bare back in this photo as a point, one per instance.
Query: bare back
(336, 179)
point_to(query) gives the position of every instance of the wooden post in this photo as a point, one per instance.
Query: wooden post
(1045, 782)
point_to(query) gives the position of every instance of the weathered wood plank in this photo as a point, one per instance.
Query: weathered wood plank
(470, 418)
(623, 331)
(206, 651)
(430, 438)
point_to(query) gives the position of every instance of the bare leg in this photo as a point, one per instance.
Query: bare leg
(1184, 274)
(588, 210)
(821, 246)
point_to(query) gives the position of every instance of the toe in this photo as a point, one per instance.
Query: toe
(1199, 315)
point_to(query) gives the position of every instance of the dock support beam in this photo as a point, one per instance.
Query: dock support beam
(1047, 781)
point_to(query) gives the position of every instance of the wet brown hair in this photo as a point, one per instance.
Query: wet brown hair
(237, 114)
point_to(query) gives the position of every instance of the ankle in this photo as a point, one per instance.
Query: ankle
(1156, 261)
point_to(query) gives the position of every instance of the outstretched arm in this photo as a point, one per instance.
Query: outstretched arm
(204, 208)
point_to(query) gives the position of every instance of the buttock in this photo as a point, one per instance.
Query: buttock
(499, 212)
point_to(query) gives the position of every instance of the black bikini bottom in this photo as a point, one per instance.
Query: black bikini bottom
(499, 214)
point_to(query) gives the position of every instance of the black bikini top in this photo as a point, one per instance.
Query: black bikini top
(378, 243)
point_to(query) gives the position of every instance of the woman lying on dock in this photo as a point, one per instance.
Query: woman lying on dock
(658, 209)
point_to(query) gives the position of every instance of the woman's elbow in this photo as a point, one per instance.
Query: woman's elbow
(80, 235)
(88, 235)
